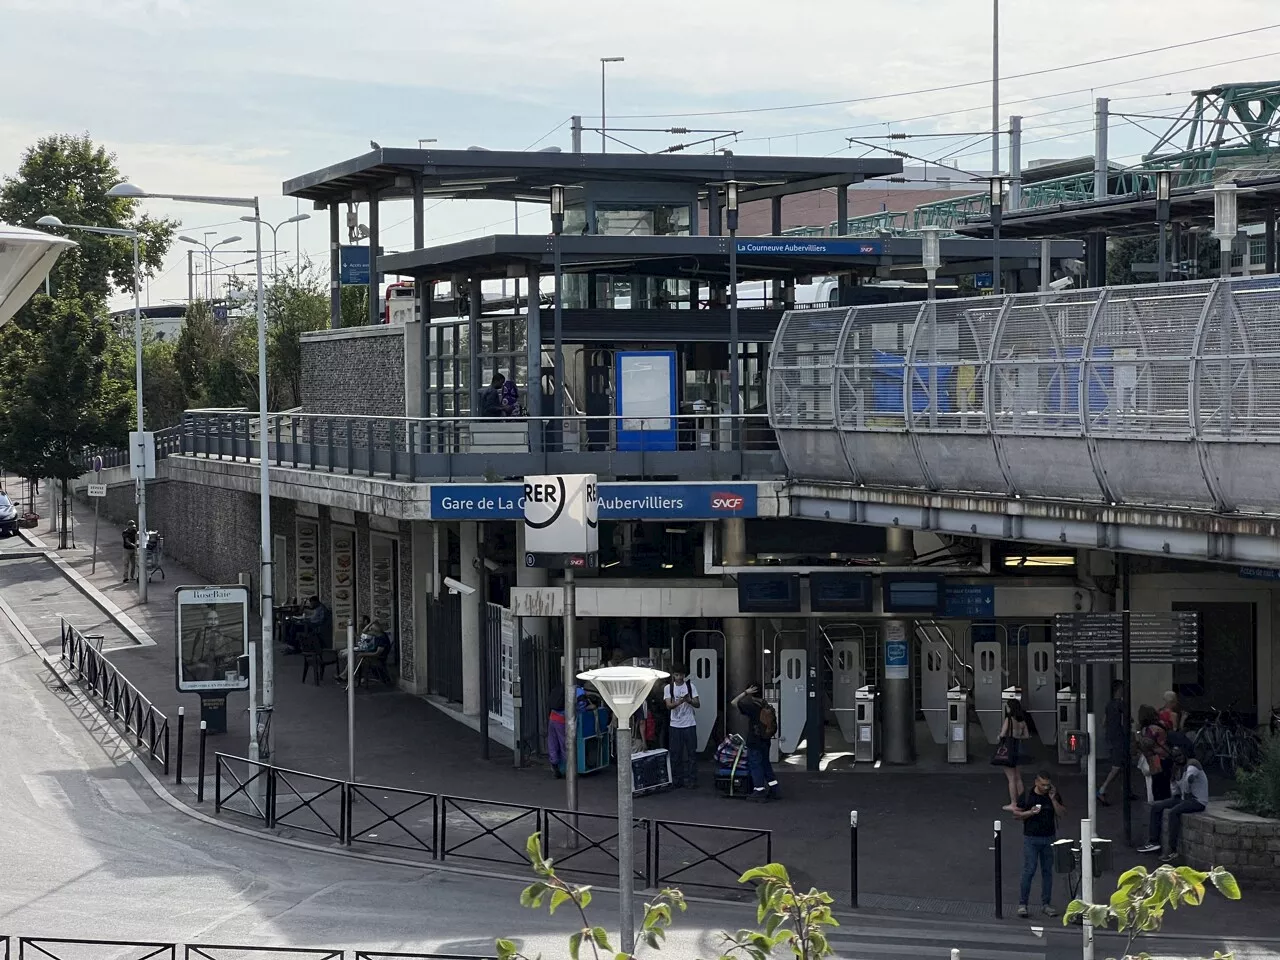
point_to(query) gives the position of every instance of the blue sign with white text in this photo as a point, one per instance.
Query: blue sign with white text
(983, 281)
(815, 246)
(618, 501)
(1258, 573)
(353, 265)
(969, 600)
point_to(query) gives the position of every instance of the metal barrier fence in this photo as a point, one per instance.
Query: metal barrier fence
(66, 948)
(124, 703)
(442, 827)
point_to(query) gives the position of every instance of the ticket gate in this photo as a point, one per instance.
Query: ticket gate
(1039, 687)
(704, 670)
(866, 748)
(793, 702)
(958, 725)
(935, 681)
(988, 682)
(1068, 719)
(847, 676)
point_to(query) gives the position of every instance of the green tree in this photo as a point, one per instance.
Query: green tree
(1124, 252)
(163, 395)
(217, 360)
(355, 305)
(296, 303)
(68, 176)
(57, 389)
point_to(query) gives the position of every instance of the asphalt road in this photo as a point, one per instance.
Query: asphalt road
(88, 851)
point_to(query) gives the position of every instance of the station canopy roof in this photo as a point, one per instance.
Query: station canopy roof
(478, 174)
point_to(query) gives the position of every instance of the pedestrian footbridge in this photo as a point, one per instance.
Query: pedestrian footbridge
(1161, 396)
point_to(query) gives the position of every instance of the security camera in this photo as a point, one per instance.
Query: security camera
(492, 565)
(457, 586)
(1062, 283)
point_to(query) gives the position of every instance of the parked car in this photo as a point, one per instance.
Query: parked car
(8, 517)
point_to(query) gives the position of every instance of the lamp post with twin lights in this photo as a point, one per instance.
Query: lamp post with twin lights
(997, 209)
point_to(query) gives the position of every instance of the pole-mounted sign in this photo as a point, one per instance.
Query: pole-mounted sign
(561, 525)
(213, 641)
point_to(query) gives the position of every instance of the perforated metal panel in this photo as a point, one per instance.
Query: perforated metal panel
(704, 668)
(793, 704)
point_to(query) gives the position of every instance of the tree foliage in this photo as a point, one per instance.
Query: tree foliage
(296, 303)
(217, 360)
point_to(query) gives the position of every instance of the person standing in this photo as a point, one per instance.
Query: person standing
(761, 728)
(1039, 809)
(556, 751)
(1116, 728)
(1190, 795)
(1153, 744)
(680, 697)
(1013, 730)
(130, 540)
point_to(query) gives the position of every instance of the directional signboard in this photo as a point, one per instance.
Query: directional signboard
(1153, 637)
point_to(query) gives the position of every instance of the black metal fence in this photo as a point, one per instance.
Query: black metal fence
(439, 827)
(121, 700)
(444, 652)
(66, 948)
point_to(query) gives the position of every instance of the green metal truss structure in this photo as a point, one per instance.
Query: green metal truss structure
(1233, 127)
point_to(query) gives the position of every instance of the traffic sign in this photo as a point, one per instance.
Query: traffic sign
(97, 490)
(1153, 637)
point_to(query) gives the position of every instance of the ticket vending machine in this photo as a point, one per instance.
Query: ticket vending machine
(867, 705)
(958, 725)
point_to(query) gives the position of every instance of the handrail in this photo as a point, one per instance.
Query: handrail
(34, 948)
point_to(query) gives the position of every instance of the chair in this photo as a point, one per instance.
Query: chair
(316, 656)
(373, 663)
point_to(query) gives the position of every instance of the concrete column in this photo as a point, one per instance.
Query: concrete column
(469, 556)
(375, 245)
(422, 553)
(842, 228)
(530, 577)
(740, 660)
(335, 266)
(897, 695)
(414, 370)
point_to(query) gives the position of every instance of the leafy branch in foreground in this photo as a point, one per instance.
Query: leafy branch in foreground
(784, 914)
(1138, 906)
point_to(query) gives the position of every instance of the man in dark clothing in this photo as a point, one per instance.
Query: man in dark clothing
(1116, 726)
(491, 398)
(130, 540)
(1039, 809)
(760, 716)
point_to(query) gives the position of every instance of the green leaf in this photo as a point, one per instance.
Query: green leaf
(770, 871)
(557, 898)
(1225, 883)
(1098, 915)
(531, 896)
(575, 945)
(584, 897)
(506, 949)
(1131, 877)
(601, 938)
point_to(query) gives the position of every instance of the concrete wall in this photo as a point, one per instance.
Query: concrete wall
(359, 371)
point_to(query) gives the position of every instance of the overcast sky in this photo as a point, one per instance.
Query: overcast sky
(235, 96)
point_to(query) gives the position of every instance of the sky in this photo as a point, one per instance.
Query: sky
(236, 96)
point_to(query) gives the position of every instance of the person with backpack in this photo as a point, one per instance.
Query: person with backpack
(762, 727)
(680, 697)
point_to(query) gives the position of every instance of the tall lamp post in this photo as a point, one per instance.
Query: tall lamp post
(604, 62)
(997, 208)
(260, 727)
(623, 690)
(731, 220)
(1164, 187)
(930, 254)
(1225, 223)
(208, 252)
(275, 239)
(557, 228)
(141, 480)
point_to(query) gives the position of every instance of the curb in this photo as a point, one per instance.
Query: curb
(125, 622)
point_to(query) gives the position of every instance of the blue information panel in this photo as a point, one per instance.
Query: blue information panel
(353, 265)
(1259, 573)
(618, 501)
(897, 653)
(983, 281)
(816, 246)
(969, 600)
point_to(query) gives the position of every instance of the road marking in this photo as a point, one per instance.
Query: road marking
(46, 791)
(121, 795)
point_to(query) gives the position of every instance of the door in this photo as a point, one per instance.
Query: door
(1226, 675)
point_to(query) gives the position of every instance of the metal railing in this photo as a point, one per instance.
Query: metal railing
(167, 441)
(1161, 395)
(408, 448)
(121, 700)
(441, 827)
(67, 948)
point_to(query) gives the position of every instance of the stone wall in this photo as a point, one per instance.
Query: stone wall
(1248, 846)
(358, 371)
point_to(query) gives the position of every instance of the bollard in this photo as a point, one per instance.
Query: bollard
(182, 713)
(204, 733)
(955, 953)
(999, 880)
(853, 856)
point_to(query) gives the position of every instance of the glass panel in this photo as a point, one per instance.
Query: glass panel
(486, 336)
(643, 220)
(575, 220)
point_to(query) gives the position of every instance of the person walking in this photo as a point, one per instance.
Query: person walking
(681, 698)
(1190, 791)
(1039, 809)
(1153, 744)
(130, 541)
(762, 726)
(1116, 728)
(1013, 730)
(556, 751)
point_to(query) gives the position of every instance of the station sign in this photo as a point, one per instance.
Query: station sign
(1153, 637)
(617, 501)
(561, 521)
(809, 247)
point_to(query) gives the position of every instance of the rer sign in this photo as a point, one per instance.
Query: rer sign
(561, 520)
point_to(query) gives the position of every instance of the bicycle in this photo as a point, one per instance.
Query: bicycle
(1227, 743)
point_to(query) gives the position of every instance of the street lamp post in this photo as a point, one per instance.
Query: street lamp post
(997, 205)
(1225, 223)
(208, 252)
(275, 239)
(623, 690)
(260, 727)
(1164, 187)
(140, 482)
(731, 221)
(604, 61)
(557, 228)
(930, 254)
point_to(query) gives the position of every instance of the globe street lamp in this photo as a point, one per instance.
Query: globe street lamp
(140, 480)
(623, 690)
(260, 727)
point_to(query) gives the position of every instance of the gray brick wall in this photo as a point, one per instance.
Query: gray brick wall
(1249, 849)
(356, 371)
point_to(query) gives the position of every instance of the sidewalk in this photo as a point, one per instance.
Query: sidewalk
(924, 838)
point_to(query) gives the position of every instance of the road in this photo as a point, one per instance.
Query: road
(90, 852)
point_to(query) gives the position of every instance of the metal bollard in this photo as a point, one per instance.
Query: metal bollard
(853, 857)
(204, 733)
(182, 714)
(999, 879)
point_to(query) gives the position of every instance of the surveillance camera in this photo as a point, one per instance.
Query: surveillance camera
(457, 586)
(1062, 283)
(491, 565)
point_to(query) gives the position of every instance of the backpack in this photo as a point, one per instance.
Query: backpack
(768, 720)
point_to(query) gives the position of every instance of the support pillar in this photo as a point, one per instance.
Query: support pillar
(1095, 255)
(775, 230)
(1270, 255)
(469, 557)
(335, 266)
(741, 664)
(533, 389)
(473, 347)
(1015, 164)
(842, 228)
(897, 692)
(426, 585)
(714, 225)
(536, 627)
(375, 247)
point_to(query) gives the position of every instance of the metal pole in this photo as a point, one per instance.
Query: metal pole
(264, 484)
(142, 437)
(999, 873)
(96, 500)
(1086, 884)
(1092, 771)
(1015, 163)
(204, 735)
(996, 284)
(995, 87)
(1046, 271)
(735, 406)
(575, 134)
(1101, 169)
(182, 719)
(351, 701)
(1224, 258)
(1126, 667)
(557, 399)
(604, 145)
(570, 701)
(853, 857)
(482, 618)
(191, 278)
(1162, 268)
(626, 839)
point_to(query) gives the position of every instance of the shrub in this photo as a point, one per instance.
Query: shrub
(1258, 790)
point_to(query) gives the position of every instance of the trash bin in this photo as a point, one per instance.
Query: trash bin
(1068, 720)
(866, 702)
(958, 725)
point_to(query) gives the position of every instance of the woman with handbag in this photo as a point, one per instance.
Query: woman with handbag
(1013, 730)
(1153, 753)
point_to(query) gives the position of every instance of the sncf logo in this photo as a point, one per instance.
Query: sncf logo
(727, 502)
